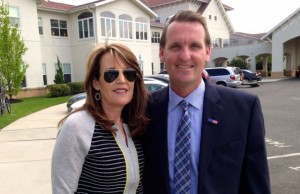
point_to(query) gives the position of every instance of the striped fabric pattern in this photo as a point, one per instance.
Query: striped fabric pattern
(141, 159)
(182, 170)
(104, 169)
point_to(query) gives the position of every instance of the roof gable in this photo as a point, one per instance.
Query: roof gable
(154, 3)
(287, 19)
(56, 6)
(202, 8)
(224, 15)
(61, 7)
(247, 35)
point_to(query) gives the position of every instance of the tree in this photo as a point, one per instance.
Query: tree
(59, 76)
(12, 48)
(238, 62)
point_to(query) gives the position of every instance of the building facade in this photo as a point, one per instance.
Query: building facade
(54, 30)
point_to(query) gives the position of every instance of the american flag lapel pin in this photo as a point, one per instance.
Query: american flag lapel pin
(213, 121)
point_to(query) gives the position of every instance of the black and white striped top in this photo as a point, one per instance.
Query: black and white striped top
(88, 159)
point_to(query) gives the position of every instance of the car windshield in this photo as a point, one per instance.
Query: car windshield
(247, 71)
(237, 70)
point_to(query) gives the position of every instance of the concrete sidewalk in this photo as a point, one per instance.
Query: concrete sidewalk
(26, 150)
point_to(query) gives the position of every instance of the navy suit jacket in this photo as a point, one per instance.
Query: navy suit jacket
(233, 157)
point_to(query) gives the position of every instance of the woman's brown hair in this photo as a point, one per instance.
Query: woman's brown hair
(134, 113)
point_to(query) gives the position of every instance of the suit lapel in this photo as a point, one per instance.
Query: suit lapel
(211, 110)
(212, 114)
(161, 110)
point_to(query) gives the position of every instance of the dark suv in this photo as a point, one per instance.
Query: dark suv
(225, 76)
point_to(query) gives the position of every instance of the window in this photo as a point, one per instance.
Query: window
(67, 72)
(44, 74)
(59, 28)
(40, 24)
(209, 17)
(216, 18)
(108, 24)
(163, 67)
(217, 72)
(217, 42)
(24, 84)
(125, 26)
(152, 87)
(14, 16)
(66, 67)
(141, 29)
(155, 37)
(86, 25)
(233, 42)
(225, 42)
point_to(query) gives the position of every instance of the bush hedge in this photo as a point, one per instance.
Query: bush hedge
(57, 90)
(76, 87)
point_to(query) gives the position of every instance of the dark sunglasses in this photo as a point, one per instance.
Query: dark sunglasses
(112, 74)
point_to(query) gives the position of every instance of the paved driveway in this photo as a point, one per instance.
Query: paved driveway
(281, 107)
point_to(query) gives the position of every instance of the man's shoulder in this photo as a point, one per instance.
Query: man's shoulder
(227, 93)
(158, 94)
(229, 90)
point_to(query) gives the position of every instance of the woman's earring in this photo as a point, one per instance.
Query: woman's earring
(97, 96)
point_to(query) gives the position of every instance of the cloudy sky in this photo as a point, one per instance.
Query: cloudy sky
(256, 16)
(249, 16)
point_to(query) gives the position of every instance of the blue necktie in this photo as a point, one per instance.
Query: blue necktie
(182, 160)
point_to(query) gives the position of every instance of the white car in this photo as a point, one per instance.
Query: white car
(150, 83)
(154, 84)
(225, 76)
(77, 104)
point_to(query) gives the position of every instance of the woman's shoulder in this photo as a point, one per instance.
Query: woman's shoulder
(79, 120)
(82, 115)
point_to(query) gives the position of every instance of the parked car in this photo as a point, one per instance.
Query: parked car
(250, 78)
(298, 72)
(205, 74)
(225, 76)
(154, 84)
(151, 84)
(164, 73)
(74, 99)
(77, 104)
(159, 77)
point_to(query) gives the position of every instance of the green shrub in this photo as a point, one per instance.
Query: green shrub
(57, 90)
(259, 65)
(59, 75)
(76, 87)
(238, 62)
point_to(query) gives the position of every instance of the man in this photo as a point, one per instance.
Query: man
(226, 148)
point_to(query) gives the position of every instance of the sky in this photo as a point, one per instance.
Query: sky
(248, 16)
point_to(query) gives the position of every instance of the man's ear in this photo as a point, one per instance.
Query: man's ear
(161, 55)
(208, 52)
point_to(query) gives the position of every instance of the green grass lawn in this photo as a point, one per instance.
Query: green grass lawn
(26, 106)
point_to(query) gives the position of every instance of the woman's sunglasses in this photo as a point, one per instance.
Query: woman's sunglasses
(112, 74)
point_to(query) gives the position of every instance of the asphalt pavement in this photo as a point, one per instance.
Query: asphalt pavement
(26, 148)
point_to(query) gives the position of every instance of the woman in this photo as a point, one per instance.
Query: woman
(96, 150)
